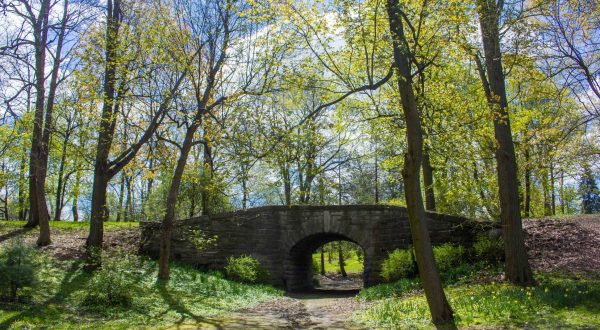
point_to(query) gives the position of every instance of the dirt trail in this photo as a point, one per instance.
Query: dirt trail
(307, 310)
(330, 306)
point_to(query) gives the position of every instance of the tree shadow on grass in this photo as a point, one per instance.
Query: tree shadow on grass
(14, 233)
(175, 305)
(74, 280)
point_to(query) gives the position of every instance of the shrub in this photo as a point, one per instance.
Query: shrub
(115, 283)
(246, 269)
(489, 250)
(16, 269)
(399, 264)
(448, 256)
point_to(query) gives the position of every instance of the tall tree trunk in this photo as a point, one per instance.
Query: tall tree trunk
(439, 307)
(428, 182)
(76, 188)
(59, 186)
(322, 261)
(21, 198)
(129, 210)
(527, 209)
(478, 181)
(341, 260)
(518, 270)
(561, 193)
(376, 178)
(99, 210)
(37, 173)
(287, 184)
(167, 224)
(552, 192)
(208, 176)
(121, 198)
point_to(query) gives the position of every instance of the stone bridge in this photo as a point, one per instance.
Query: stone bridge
(283, 238)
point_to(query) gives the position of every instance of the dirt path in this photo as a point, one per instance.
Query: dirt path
(308, 310)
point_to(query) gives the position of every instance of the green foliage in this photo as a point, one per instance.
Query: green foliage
(16, 269)
(246, 269)
(353, 262)
(489, 249)
(396, 289)
(62, 287)
(115, 283)
(448, 256)
(399, 264)
(557, 303)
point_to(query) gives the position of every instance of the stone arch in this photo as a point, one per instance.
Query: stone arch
(298, 260)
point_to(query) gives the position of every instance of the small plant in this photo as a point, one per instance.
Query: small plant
(16, 270)
(489, 250)
(399, 264)
(246, 269)
(448, 256)
(115, 282)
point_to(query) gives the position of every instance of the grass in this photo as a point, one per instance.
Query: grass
(70, 225)
(62, 297)
(558, 302)
(352, 265)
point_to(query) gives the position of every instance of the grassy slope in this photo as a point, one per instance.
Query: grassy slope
(558, 302)
(59, 298)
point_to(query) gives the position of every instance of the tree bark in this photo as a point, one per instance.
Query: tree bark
(76, 188)
(341, 260)
(121, 198)
(99, 211)
(37, 173)
(518, 270)
(428, 182)
(21, 198)
(167, 224)
(527, 209)
(439, 307)
(322, 261)
(61, 171)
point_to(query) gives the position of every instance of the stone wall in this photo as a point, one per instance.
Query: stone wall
(283, 238)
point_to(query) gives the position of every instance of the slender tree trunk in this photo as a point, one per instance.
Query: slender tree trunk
(439, 307)
(552, 192)
(561, 193)
(99, 210)
(59, 186)
(121, 198)
(76, 188)
(478, 181)
(428, 182)
(21, 198)
(208, 176)
(287, 184)
(322, 261)
(167, 224)
(518, 270)
(341, 260)
(376, 178)
(527, 184)
(129, 211)
(37, 196)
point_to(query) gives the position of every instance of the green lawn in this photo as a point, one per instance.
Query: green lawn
(558, 302)
(351, 265)
(126, 295)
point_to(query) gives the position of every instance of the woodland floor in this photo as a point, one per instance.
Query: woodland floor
(568, 245)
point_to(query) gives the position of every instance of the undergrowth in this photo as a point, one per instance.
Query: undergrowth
(558, 302)
(125, 295)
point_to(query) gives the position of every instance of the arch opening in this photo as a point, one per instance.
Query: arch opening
(303, 264)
